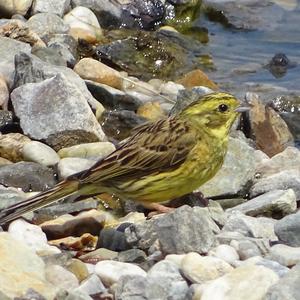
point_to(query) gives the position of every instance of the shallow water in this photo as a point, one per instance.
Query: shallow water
(235, 50)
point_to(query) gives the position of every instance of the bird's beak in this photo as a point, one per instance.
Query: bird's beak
(243, 108)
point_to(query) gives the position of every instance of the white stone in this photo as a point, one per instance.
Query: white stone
(13, 7)
(246, 282)
(285, 255)
(83, 24)
(225, 252)
(91, 285)
(111, 271)
(97, 150)
(32, 236)
(60, 277)
(40, 153)
(199, 269)
(175, 258)
(71, 165)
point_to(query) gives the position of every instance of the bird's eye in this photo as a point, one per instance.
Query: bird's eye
(223, 107)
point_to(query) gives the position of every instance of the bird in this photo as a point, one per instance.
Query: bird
(160, 161)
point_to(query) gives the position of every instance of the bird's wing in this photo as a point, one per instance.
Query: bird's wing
(153, 148)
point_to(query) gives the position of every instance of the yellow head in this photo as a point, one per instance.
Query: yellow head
(216, 112)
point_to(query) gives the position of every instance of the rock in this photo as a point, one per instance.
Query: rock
(164, 281)
(288, 230)
(91, 285)
(224, 252)
(130, 287)
(64, 52)
(71, 295)
(71, 165)
(60, 277)
(50, 55)
(246, 249)
(8, 49)
(68, 225)
(113, 239)
(4, 93)
(238, 169)
(31, 294)
(40, 153)
(56, 97)
(10, 196)
(11, 7)
(151, 111)
(287, 287)
(78, 268)
(274, 203)
(47, 24)
(111, 271)
(196, 78)
(11, 146)
(250, 226)
(113, 98)
(91, 69)
(32, 236)
(6, 118)
(239, 284)
(28, 176)
(57, 7)
(83, 24)
(86, 242)
(270, 132)
(99, 255)
(136, 256)
(90, 150)
(19, 261)
(184, 230)
(286, 179)
(199, 269)
(176, 258)
(285, 255)
(4, 161)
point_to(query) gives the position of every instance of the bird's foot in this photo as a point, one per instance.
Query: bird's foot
(157, 208)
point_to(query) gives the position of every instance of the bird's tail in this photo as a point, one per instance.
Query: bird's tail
(58, 192)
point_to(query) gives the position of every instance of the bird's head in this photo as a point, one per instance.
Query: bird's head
(216, 112)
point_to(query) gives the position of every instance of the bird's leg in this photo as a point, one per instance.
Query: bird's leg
(200, 197)
(157, 208)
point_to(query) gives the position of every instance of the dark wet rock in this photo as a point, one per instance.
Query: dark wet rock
(49, 107)
(6, 117)
(184, 230)
(136, 256)
(279, 65)
(276, 203)
(267, 128)
(287, 287)
(63, 39)
(113, 239)
(58, 7)
(46, 24)
(112, 98)
(118, 124)
(28, 176)
(8, 49)
(163, 54)
(288, 230)
(63, 51)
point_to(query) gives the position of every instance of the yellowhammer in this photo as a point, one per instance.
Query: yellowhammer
(159, 162)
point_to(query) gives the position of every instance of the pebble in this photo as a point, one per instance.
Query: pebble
(32, 236)
(60, 277)
(245, 249)
(285, 255)
(239, 284)
(175, 258)
(111, 271)
(98, 255)
(4, 93)
(91, 69)
(92, 285)
(40, 153)
(288, 230)
(58, 7)
(225, 252)
(199, 269)
(13, 7)
(78, 268)
(83, 24)
(89, 150)
(275, 202)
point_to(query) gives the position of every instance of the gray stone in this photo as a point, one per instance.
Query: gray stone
(165, 282)
(275, 202)
(132, 256)
(10, 196)
(64, 39)
(130, 287)
(59, 7)
(91, 285)
(71, 295)
(50, 55)
(287, 287)
(250, 226)
(184, 230)
(46, 24)
(28, 176)
(65, 53)
(52, 106)
(288, 230)
(8, 49)
(238, 169)
(286, 179)
(30, 69)
(246, 249)
(285, 255)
